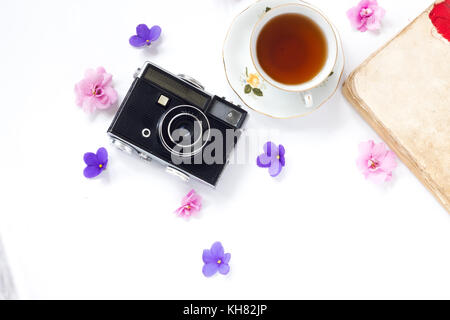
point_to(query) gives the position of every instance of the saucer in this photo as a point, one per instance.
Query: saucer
(256, 93)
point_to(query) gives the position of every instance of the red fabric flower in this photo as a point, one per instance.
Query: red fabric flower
(440, 17)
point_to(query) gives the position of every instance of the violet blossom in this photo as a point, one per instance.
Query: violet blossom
(272, 158)
(145, 36)
(96, 162)
(215, 259)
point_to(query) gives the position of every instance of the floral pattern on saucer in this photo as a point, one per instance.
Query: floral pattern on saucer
(252, 84)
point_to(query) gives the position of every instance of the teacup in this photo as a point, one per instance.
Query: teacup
(289, 47)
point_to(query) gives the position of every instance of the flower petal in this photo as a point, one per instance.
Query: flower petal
(90, 159)
(192, 199)
(111, 93)
(363, 163)
(224, 268)
(107, 77)
(208, 257)
(263, 161)
(275, 168)
(92, 77)
(194, 208)
(226, 257)
(281, 150)
(373, 24)
(217, 250)
(101, 70)
(103, 102)
(379, 151)
(89, 73)
(102, 156)
(91, 171)
(282, 160)
(365, 148)
(154, 33)
(363, 27)
(389, 162)
(89, 104)
(209, 269)
(379, 13)
(366, 3)
(142, 31)
(379, 176)
(270, 149)
(180, 211)
(196, 199)
(136, 41)
(108, 99)
(84, 87)
(189, 197)
(354, 17)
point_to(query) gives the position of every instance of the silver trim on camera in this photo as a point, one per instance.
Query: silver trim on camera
(146, 132)
(177, 173)
(134, 150)
(192, 81)
(182, 154)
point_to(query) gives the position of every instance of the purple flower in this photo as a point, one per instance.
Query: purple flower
(96, 163)
(145, 36)
(272, 158)
(215, 260)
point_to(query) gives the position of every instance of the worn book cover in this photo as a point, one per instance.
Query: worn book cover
(403, 92)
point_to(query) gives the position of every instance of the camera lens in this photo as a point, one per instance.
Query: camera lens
(184, 130)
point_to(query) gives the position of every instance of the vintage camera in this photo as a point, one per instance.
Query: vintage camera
(172, 119)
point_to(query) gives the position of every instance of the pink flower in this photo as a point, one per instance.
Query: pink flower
(366, 15)
(376, 161)
(95, 90)
(190, 204)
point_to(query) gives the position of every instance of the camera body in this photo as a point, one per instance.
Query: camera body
(173, 120)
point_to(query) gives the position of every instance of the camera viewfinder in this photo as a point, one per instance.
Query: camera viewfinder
(226, 112)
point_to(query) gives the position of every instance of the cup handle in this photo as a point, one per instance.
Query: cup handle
(307, 99)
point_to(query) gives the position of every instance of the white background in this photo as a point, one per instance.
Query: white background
(318, 231)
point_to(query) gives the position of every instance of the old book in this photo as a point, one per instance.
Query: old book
(403, 92)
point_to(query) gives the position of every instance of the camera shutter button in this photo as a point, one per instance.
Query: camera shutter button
(137, 72)
(228, 100)
(192, 81)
